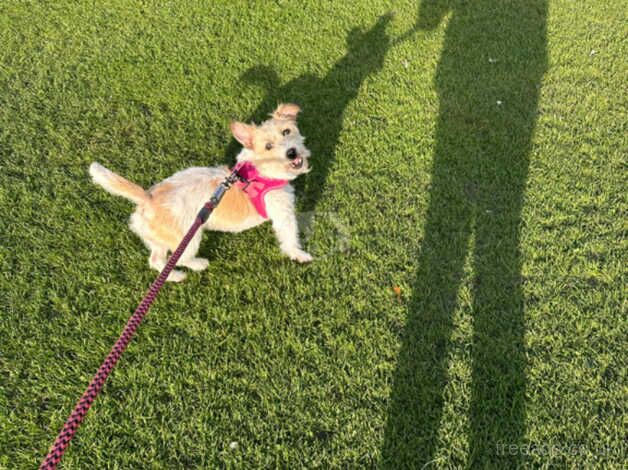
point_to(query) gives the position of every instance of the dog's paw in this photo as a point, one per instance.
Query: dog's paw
(300, 256)
(196, 264)
(176, 276)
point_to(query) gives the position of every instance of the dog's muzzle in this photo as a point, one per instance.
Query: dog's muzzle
(296, 160)
(297, 163)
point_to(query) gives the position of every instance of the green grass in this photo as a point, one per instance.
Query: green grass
(504, 225)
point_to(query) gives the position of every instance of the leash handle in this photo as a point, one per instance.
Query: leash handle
(75, 419)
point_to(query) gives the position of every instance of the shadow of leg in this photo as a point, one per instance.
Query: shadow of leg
(421, 375)
(488, 80)
(497, 414)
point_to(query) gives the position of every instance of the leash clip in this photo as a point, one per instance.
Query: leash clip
(236, 176)
(220, 192)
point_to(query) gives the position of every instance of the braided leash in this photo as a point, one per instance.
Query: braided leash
(80, 410)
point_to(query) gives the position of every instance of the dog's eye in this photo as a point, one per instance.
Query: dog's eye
(269, 146)
(285, 132)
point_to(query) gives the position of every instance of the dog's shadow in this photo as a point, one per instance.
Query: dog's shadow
(323, 102)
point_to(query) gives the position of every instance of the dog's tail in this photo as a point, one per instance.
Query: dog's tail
(116, 184)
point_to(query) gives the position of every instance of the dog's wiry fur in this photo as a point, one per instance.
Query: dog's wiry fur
(168, 209)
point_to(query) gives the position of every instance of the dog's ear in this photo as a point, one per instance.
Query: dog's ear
(287, 111)
(243, 133)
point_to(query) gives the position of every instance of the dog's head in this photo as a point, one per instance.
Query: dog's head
(276, 146)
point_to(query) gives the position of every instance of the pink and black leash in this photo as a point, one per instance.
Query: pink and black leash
(80, 410)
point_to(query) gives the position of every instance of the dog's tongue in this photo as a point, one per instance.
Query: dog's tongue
(297, 162)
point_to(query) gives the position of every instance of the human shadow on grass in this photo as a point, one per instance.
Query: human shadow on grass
(323, 102)
(488, 80)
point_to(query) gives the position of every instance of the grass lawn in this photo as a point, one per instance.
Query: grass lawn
(467, 304)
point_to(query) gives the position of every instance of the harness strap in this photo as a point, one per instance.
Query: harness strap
(256, 186)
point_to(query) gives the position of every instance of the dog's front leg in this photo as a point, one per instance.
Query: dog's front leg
(287, 233)
(282, 213)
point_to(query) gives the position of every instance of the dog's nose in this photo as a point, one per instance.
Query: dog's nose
(291, 153)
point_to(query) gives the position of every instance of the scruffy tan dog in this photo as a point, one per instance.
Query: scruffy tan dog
(274, 154)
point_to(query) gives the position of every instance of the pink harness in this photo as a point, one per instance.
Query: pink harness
(256, 186)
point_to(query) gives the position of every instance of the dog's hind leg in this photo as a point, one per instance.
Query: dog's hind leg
(158, 258)
(158, 250)
(189, 258)
(195, 264)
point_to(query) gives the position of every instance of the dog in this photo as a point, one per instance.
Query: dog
(273, 154)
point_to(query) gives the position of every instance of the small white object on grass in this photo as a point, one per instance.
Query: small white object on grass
(233, 445)
(499, 102)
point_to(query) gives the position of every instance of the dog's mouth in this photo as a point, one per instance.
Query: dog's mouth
(297, 163)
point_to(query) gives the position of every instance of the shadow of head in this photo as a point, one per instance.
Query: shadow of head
(359, 43)
(359, 40)
(263, 76)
